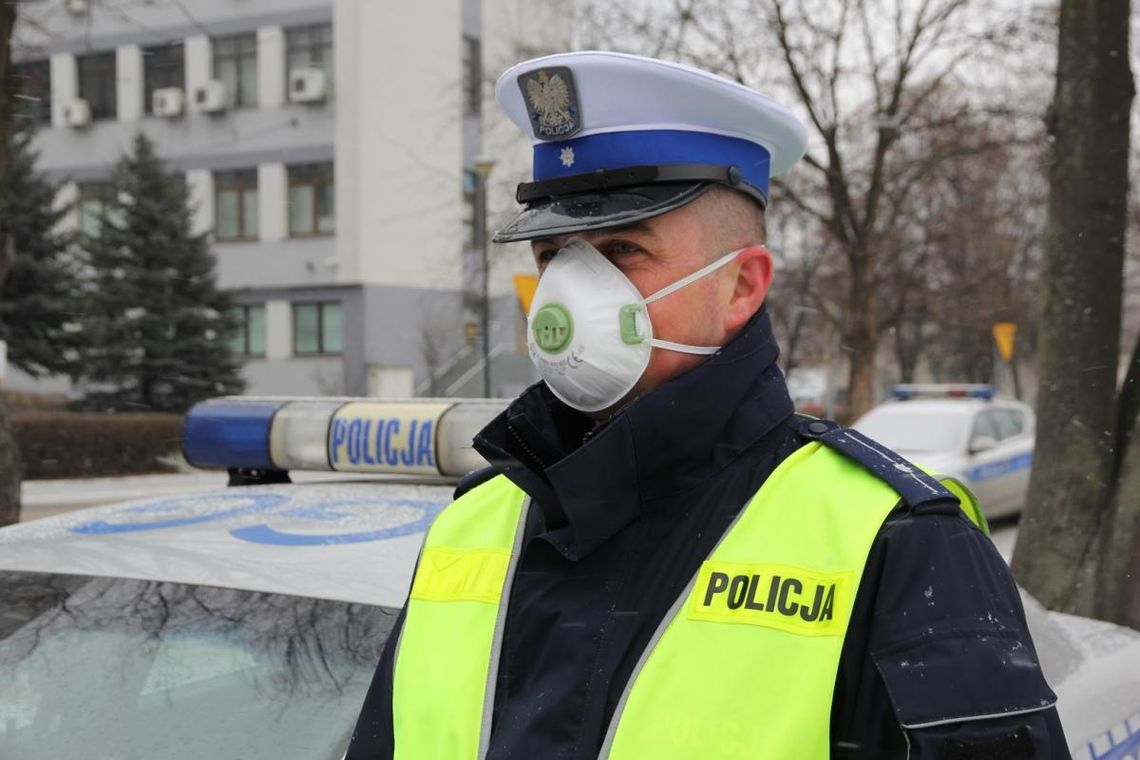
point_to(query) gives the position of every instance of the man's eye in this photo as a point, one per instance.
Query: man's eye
(619, 247)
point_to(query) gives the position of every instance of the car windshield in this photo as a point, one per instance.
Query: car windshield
(905, 430)
(134, 670)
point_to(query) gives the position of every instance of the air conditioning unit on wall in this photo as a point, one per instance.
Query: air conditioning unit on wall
(211, 96)
(76, 113)
(167, 102)
(307, 85)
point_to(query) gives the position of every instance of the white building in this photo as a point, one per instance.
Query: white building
(330, 148)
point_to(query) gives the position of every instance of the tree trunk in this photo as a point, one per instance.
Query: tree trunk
(1115, 565)
(793, 343)
(908, 346)
(1058, 549)
(861, 339)
(10, 469)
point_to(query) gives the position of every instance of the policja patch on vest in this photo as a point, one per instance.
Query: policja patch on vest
(793, 599)
(552, 103)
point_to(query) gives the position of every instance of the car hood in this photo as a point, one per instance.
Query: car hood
(351, 541)
(1094, 667)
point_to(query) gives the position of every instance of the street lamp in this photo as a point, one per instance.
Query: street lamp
(483, 167)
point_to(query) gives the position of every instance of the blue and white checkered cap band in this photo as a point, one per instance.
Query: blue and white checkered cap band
(658, 147)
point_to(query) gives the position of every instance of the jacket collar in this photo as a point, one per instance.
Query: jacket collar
(665, 442)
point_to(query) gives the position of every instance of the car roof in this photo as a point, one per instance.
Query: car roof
(354, 541)
(963, 406)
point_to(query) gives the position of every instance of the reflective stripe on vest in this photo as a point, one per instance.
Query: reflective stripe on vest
(448, 652)
(743, 665)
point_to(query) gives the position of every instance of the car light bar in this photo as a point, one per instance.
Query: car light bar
(412, 437)
(906, 391)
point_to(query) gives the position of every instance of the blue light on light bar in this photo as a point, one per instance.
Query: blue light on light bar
(905, 391)
(225, 433)
(418, 437)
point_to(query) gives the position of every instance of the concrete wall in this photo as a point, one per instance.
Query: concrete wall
(46, 28)
(302, 376)
(399, 142)
(271, 66)
(129, 83)
(396, 132)
(304, 262)
(232, 140)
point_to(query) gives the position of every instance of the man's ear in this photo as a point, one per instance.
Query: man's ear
(753, 278)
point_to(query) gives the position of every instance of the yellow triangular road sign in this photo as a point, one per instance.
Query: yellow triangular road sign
(1004, 333)
(525, 285)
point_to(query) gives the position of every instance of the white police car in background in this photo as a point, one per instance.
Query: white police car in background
(962, 432)
(246, 623)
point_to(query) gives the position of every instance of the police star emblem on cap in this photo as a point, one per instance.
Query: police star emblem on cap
(552, 101)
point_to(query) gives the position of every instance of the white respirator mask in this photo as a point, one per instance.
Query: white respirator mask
(589, 331)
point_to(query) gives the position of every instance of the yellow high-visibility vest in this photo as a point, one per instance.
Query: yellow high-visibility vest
(742, 666)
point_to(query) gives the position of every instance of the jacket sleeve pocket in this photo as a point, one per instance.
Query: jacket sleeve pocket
(971, 694)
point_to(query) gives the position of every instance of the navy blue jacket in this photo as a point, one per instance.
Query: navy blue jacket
(629, 510)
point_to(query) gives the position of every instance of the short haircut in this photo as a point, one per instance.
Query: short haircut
(732, 220)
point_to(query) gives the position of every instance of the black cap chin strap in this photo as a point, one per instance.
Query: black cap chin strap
(604, 180)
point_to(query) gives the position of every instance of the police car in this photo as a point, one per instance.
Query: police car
(963, 432)
(247, 622)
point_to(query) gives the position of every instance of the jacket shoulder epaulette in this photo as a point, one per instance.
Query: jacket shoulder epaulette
(916, 487)
(473, 480)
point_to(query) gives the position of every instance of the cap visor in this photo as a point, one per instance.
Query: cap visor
(598, 211)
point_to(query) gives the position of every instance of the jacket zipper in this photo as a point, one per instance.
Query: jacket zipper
(534, 458)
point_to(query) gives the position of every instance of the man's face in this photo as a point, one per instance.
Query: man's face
(654, 254)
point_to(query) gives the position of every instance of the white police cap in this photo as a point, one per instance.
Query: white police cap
(621, 138)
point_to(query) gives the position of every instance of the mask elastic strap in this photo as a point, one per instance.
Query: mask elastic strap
(683, 348)
(708, 269)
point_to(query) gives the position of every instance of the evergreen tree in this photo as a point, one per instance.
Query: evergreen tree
(157, 328)
(38, 298)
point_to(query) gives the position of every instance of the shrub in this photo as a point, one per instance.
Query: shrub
(26, 401)
(75, 445)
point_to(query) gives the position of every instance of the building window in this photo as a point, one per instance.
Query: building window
(97, 84)
(91, 207)
(235, 63)
(33, 90)
(309, 47)
(318, 328)
(248, 338)
(472, 76)
(163, 66)
(470, 203)
(235, 205)
(312, 199)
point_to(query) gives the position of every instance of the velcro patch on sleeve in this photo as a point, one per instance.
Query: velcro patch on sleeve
(447, 574)
(1013, 746)
(792, 599)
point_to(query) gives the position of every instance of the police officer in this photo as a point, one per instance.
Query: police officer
(664, 560)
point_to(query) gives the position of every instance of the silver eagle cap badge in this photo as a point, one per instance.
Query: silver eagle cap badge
(552, 102)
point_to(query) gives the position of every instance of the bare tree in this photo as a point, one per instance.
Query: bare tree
(876, 82)
(1079, 546)
(979, 262)
(10, 467)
